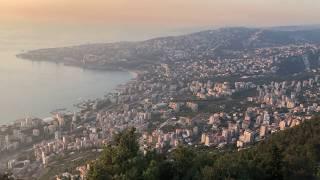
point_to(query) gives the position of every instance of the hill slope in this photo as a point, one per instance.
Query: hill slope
(206, 44)
(289, 154)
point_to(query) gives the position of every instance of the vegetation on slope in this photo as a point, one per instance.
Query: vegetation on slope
(6, 176)
(289, 154)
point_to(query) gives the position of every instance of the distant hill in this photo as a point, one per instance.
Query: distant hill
(224, 42)
(295, 28)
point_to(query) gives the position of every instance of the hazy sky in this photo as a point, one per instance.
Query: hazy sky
(162, 13)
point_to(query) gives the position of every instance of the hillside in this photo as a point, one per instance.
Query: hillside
(289, 154)
(224, 42)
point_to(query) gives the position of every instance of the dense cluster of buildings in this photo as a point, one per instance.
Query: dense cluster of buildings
(164, 103)
(21, 133)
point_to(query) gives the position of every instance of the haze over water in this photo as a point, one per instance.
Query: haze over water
(36, 88)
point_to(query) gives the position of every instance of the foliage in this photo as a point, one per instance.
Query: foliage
(289, 154)
(6, 176)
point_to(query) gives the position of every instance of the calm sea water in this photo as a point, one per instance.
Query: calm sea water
(36, 88)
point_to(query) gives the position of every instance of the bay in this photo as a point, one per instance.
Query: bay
(34, 89)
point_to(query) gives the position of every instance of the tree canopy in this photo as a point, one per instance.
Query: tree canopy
(289, 154)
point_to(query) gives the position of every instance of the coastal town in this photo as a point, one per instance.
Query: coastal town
(213, 103)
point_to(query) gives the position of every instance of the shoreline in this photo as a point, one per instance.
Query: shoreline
(133, 73)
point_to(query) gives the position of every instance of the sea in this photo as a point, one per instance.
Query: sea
(34, 89)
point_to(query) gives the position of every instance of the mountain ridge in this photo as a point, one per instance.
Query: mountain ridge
(209, 44)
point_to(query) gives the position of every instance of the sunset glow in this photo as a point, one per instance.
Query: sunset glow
(164, 12)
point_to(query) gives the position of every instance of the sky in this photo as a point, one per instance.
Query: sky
(162, 13)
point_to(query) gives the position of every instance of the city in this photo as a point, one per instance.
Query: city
(215, 103)
(159, 90)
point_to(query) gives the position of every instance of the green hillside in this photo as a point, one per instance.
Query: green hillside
(289, 154)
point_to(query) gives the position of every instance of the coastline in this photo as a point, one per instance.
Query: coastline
(133, 73)
(13, 155)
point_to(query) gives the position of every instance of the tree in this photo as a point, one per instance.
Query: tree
(183, 161)
(152, 172)
(119, 160)
(6, 176)
(276, 163)
(289, 154)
